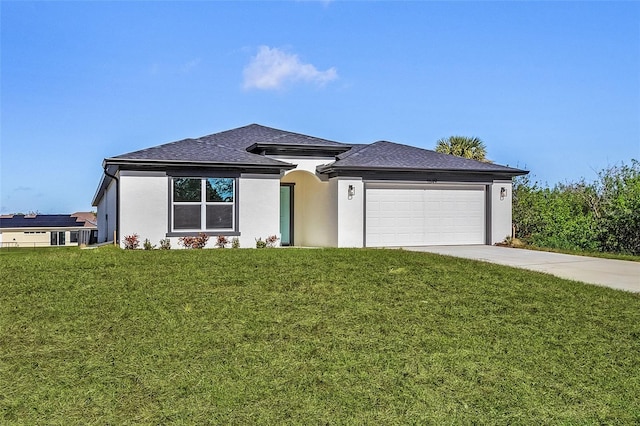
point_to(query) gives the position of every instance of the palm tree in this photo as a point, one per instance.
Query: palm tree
(463, 146)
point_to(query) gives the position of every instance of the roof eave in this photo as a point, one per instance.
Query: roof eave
(189, 163)
(329, 168)
(112, 165)
(99, 191)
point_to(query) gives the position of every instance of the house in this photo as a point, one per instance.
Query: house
(256, 181)
(44, 230)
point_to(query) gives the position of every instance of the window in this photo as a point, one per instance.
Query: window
(57, 238)
(203, 204)
(73, 237)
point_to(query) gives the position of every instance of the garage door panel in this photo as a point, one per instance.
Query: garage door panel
(418, 216)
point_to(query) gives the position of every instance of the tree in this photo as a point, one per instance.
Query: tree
(620, 208)
(599, 216)
(463, 146)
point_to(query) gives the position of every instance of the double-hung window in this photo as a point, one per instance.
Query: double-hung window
(203, 204)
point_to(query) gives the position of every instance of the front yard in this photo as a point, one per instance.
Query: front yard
(315, 336)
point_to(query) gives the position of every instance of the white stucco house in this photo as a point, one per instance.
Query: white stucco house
(256, 181)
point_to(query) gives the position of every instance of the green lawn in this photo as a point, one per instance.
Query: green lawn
(299, 336)
(600, 254)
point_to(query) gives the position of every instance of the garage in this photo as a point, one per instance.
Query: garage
(413, 215)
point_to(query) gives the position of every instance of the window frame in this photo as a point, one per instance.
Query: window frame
(203, 203)
(58, 238)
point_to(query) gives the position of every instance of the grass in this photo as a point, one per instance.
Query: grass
(600, 254)
(298, 336)
(518, 243)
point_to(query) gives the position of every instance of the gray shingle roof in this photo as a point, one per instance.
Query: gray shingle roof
(383, 155)
(198, 150)
(228, 147)
(243, 137)
(232, 148)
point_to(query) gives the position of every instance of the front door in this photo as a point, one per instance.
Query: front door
(286, 214)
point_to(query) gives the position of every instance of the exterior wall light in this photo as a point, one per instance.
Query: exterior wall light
(503, 193)
(351, 191)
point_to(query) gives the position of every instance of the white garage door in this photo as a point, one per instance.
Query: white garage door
(419, 215)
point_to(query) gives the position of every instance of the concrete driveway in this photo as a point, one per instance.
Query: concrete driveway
(618, 274)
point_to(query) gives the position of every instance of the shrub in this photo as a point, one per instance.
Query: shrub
(194, 242)
(221, 241)
(131, 242)
(599, 216)
(147, 245)
(165, 244)
(235, 242)
(271, 241)
(620, 208)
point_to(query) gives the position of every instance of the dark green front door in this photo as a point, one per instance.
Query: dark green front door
(286, 214)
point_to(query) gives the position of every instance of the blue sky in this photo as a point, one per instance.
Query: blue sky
(553, 87)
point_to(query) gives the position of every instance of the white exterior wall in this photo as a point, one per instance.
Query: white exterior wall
(308, 164)
(350, 214)
(501, 210)
(106, 213)
(144, 205)
(259, 208)
(315, 203)
(315, 210)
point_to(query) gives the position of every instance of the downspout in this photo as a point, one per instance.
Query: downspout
(117, 230)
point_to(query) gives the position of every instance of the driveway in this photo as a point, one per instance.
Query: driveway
(618, 274)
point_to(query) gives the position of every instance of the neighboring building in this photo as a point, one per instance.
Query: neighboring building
(43, 230)
(256, 181)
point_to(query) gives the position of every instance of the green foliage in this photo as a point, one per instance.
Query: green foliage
(147, 245)
(599, 216)
(235, 242)
(620, 208)
(165, 244)
(300, 336)
(463, 146)
(270, 242)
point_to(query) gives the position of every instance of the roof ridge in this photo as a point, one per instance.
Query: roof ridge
(290, 133)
